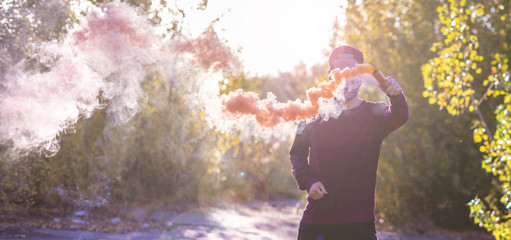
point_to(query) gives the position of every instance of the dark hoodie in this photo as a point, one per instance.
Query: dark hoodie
(343, 155)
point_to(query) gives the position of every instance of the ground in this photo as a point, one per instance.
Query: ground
(274, 220)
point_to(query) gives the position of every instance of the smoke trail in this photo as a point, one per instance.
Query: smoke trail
(100, 63)
(210, 52)
(269, 113)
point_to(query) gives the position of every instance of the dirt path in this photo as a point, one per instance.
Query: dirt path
(186, 232)
(275, 221)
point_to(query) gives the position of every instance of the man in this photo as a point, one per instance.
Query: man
(343, 153)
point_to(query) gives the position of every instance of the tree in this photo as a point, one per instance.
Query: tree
(470, 74)
(335, 39)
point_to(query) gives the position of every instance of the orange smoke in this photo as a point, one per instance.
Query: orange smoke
(269, 113)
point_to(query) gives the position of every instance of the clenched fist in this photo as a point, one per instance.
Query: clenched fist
(391, 87)
(317, 191)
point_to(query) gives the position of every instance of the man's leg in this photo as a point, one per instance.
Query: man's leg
(364, 236)
(357, 231)
(310, 232)
(307, 235)
(348, 231)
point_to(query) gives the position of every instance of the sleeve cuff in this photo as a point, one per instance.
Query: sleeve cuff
(309, 183)
(397, 98)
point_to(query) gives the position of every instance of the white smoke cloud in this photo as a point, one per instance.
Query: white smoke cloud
(102, 62)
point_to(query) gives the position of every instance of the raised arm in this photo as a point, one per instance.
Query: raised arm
(397, 113)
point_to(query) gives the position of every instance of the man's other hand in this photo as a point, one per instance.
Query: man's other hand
(391, 88)
(317, 191)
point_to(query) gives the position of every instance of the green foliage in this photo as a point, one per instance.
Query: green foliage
(427, 167)
(459, 80)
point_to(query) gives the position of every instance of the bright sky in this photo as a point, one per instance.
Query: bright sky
(274, 34)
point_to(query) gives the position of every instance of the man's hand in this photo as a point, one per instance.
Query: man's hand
(391, 87)
(317, 191)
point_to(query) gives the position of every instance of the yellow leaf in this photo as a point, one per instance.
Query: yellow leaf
(482, 149)
(480, 11)
(477, 138)
(478, 71)
(471, 108)
(439, 9)
(432, 100)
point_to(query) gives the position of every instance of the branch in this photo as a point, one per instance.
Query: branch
(485, 94)
(497, 185)
(490, 136)
(481, 117)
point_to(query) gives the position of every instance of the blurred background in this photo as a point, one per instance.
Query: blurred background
(449, 56)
